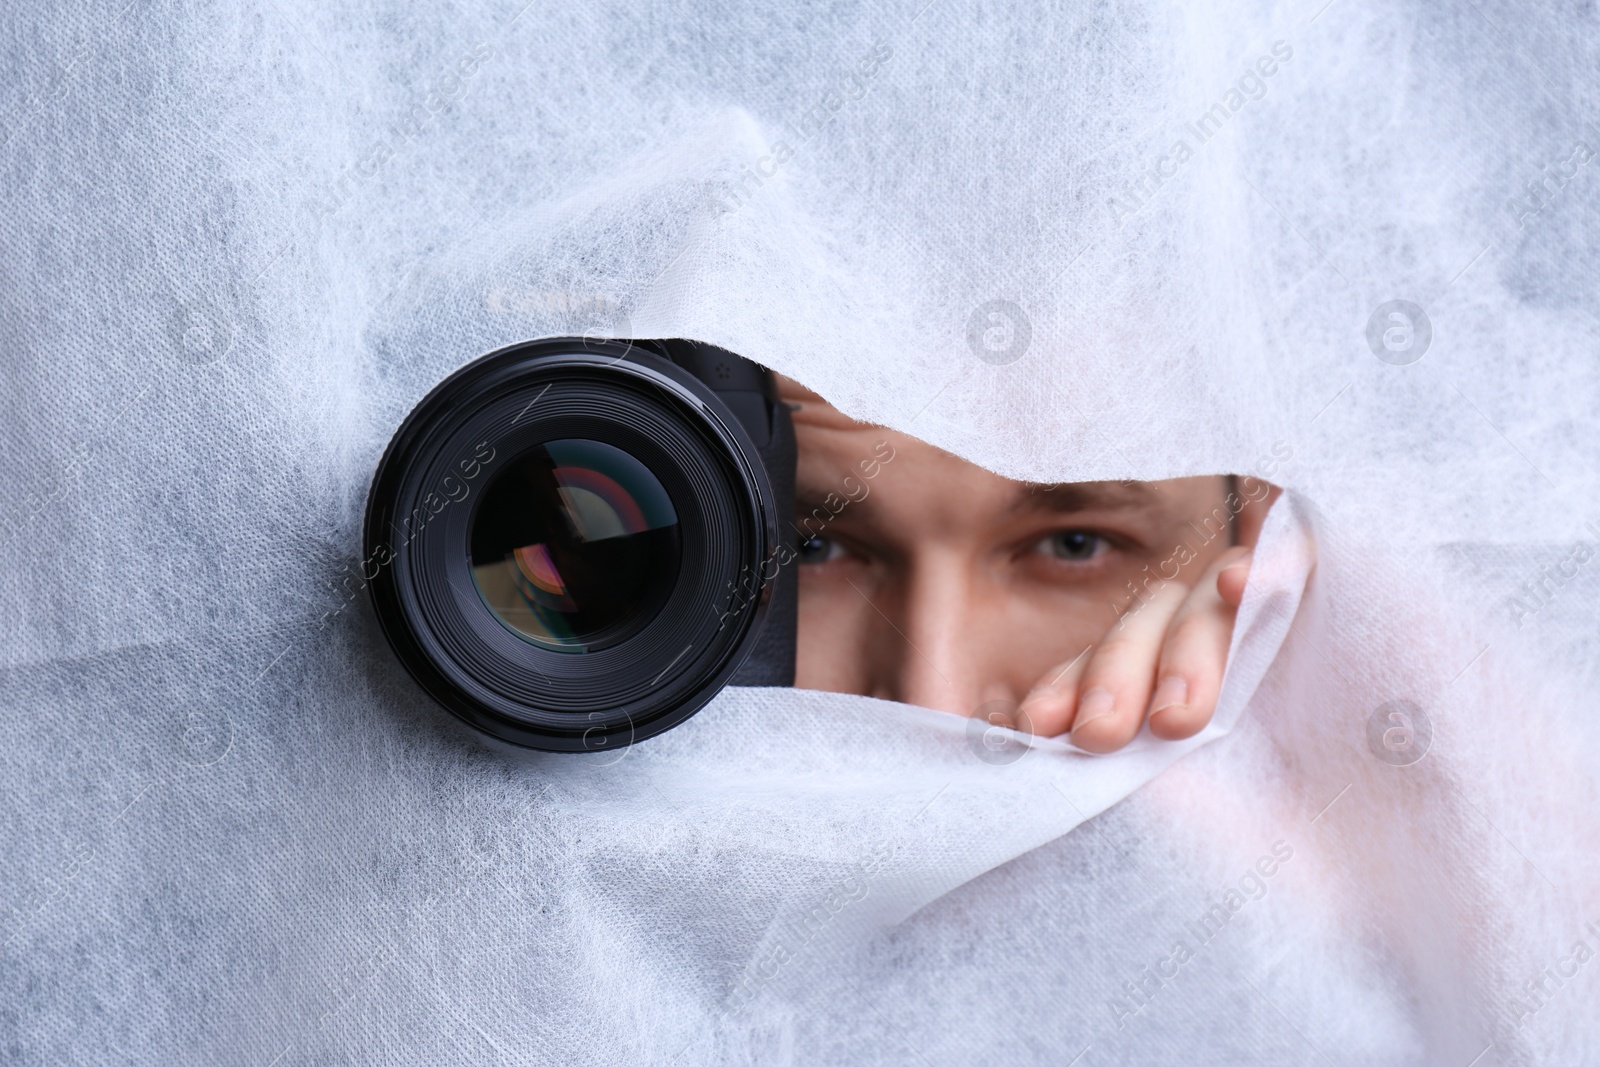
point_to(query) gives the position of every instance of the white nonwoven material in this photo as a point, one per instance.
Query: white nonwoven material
(1348, 247)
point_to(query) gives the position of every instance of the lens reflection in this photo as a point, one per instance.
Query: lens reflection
(575, 545)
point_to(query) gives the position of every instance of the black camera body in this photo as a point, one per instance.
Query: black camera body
(579, 542)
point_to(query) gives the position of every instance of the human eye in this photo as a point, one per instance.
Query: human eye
(1072, 546)
(820, 550)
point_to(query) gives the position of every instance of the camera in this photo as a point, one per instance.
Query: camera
(577, 540)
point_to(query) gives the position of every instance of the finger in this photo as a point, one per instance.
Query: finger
(1116, 683)
(1231, 579)
(1047, 709)
(1195, 652)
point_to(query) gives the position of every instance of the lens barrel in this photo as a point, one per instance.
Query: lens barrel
(573, 541)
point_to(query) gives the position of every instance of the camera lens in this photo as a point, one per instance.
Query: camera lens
(566, 542)
(574, 545)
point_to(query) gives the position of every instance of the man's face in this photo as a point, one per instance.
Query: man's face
(932, 581)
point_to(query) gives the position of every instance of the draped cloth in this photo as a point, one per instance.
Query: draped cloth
(1347, 247)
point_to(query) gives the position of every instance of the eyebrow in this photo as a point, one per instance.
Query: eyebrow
(1030, 498)
(1040, 496)
(1066, 498)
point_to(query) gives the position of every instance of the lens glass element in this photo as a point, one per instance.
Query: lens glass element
(574, 545)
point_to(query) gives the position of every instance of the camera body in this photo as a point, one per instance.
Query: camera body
(579, 542)
(749, 393)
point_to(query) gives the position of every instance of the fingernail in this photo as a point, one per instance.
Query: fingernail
(1095, 704)
(1044, 704)
(1039, 696)
(1172, 692)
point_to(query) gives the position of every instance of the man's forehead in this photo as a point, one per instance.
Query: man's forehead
(1024, 498)
(794, 391)
(810, 409)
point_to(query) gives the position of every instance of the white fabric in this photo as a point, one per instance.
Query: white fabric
(241, 242)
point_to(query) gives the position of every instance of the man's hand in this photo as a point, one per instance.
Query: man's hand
(1163, 661)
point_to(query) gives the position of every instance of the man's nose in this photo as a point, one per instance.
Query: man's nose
(940, 665)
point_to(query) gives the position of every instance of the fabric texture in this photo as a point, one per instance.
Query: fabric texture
(1345, 246)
